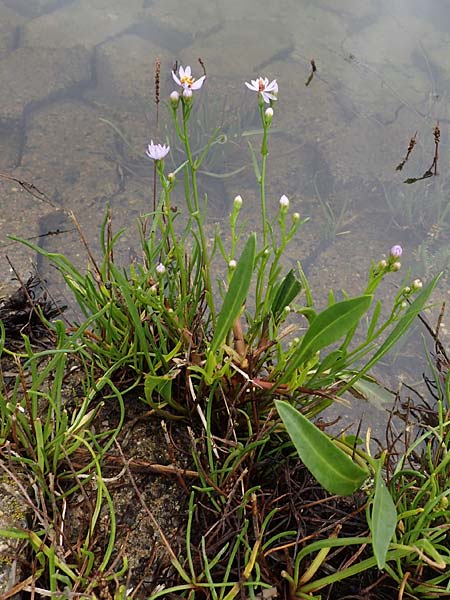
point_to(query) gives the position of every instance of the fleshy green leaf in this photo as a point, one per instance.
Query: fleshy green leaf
(330, 325)
(331, 466)
(236, 294)
(384, 520)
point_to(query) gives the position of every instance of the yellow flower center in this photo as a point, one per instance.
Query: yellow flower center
(187, 80)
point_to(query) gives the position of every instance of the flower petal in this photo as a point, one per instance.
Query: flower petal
(267, 97)
(198, 83)
(175, 78)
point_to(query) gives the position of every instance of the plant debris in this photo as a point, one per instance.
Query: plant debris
(26, 310)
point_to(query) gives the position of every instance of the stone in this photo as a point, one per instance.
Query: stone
(223, 52)
(34, 8)
(30, 76)
(20, 217)
(10, 23)
(67, 149)
(389, 41)
(85, 22)
(352, 8)
(179, 24)
(125, 71)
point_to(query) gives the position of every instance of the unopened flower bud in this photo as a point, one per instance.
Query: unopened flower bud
(287, 309)
(406, 290)
(382, 264)
(396, 266)
(417, 285)
(268, 115)
(284, 203)
(232, 264)
(237, 202)
(296, 217)
(174, 98)
(187, 93)
(160, 269)
(403, 305)
(396, 251)
(171, 177)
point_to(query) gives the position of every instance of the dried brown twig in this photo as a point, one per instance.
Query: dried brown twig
(412, 143)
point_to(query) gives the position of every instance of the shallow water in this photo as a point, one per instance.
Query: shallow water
(75, 72)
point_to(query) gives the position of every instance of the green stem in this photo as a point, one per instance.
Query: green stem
(196, 213)
(262, 179)
(179, 255)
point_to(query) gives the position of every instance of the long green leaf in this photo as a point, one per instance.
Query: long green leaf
(330, 325)
(236, 294)
(331, 466)
(384, 519)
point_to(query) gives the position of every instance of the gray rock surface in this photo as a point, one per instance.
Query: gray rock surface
(125, 70)
(9, 24)
(29, 76)
(223, 51)
(66, 149)
(33, 8)
(85, 22)
(201, 19)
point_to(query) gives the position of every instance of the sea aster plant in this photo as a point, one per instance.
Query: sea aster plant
(157, 151)
(185, 80)
(267, 90)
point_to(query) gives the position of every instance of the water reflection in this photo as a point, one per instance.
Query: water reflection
(77, 112)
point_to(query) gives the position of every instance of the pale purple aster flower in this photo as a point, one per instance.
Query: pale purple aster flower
(267, 90)
(186, 81)
(157, 151)
(396, 251)
(160, 269)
